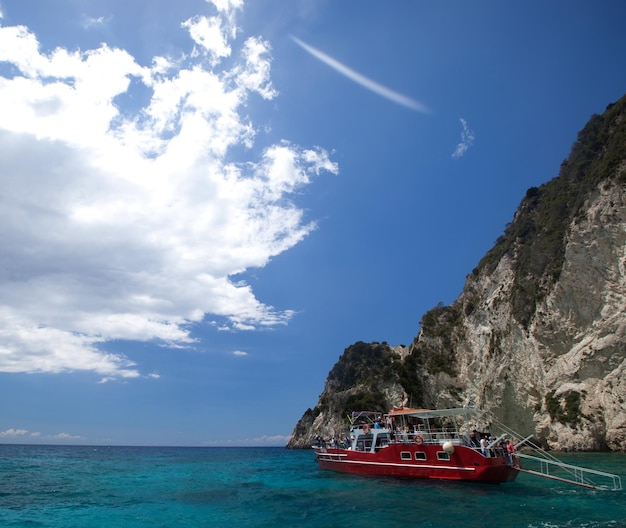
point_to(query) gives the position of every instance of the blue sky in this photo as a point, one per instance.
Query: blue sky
(203, 203)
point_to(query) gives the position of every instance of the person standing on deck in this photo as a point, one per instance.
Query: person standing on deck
(510, 451)
(483, 446)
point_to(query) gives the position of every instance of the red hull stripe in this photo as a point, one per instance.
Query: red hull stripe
(394, 464)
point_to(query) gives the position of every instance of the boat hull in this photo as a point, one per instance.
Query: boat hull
(419, 462)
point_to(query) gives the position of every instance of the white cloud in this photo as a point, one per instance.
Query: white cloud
(65, 436)
(467, 139)
(255, 73)
(90, 22)
(259, 441)
(12, 433)
(240, 353)
(226, 6)
(23, 434)
(208, 33)
(265, 440)
(366, 82)
(121, 222)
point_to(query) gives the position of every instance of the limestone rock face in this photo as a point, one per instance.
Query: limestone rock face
(563, 377)
(538, 335)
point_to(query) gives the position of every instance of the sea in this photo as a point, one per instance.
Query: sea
(158, 487)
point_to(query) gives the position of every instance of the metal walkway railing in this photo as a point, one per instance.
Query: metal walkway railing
(577, 475)
(548, 466)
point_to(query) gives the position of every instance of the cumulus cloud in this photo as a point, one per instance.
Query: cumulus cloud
(467, 139)
(12, 433)
(364, 81)
(122, 222)
(24, 434)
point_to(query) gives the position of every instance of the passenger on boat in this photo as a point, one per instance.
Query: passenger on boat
(483, 446)
(474, 440)
(502, 448)
(400, 435)
(510, 451)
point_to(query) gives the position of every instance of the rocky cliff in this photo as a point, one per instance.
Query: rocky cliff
(538, 335)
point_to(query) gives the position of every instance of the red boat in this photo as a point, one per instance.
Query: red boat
(447, 444)
(414, 443)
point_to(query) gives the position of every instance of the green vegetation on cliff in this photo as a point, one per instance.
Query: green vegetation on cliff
(357, 381)
(434, 347)
(354, 382)
(566, 409)
(363, 364)
(535, 239)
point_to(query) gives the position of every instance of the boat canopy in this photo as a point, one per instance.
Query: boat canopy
(372, 416)
(430, 413)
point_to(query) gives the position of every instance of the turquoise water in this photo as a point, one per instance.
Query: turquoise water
(53, 486)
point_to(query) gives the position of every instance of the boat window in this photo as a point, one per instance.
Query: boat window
(382, 440)
(420, 455)
(442, 455)
(364, 442)
(405, 455)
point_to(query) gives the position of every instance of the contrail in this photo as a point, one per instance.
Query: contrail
(375, 87)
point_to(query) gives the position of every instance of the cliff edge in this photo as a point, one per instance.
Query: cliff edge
(538, 335)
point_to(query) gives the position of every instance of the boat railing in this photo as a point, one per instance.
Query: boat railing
(544, 464)
(557, 470)
(432, 437)
(421, 436)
